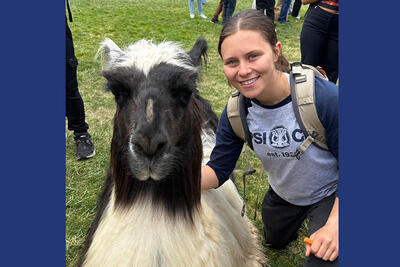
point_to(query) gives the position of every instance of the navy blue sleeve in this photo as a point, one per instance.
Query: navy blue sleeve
(327, 103)
(226, 151)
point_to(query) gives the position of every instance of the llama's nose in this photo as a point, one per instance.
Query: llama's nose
(150, 145)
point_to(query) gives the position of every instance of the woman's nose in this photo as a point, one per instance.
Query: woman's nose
(244, 69)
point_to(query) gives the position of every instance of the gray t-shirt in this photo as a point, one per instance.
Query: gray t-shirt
(276, 136)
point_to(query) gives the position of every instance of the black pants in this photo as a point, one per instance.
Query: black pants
(282, 221)
(75, 110)
(296, 8)
(267, 7)
(319, 41)
(229, 9)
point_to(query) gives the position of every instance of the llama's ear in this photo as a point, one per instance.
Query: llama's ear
(199, 50)
(109, 52)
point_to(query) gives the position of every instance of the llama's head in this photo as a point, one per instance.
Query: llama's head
(156, 146)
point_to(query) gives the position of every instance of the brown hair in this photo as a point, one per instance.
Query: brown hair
(254, 20)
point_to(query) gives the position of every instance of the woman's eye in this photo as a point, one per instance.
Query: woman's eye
(231, 62)
(252, 57)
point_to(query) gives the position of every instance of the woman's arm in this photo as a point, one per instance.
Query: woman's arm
(224, 155)
(208, 178)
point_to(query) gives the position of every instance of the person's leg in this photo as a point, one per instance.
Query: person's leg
(218, 10)
(318, 215)
(75, 110)
(191, 7)
(312, 38)
(226, 11)
(233, 6)
(284, 11)
(331, 59)
(229, 8)
(270, 10)
(296, 8)
(199, 7)
(281, 220)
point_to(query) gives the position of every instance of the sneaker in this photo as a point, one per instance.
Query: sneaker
(84, 146)
(298, 17)
(202, 16)
(192, 16)
(214, 21)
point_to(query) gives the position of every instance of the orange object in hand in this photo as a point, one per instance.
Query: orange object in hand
(308, 241)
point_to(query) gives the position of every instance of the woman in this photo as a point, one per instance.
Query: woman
(254, 64)
(319, 36)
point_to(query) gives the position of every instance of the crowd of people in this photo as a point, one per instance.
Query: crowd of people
(319, 35)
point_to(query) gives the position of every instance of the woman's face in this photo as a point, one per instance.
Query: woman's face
(249, 62)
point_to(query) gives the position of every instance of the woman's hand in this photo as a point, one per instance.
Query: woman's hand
(326, 239)
(325, 243)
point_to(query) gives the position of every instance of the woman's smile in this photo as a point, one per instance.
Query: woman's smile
(249, 83)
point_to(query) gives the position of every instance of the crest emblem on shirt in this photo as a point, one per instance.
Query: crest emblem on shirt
(279, 137)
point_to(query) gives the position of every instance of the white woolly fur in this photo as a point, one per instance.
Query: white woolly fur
(144, 237)
(143, 55)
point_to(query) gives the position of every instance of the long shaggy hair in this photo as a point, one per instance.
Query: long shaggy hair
(151, 211)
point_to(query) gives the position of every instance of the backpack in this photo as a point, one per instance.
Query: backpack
(302, 88)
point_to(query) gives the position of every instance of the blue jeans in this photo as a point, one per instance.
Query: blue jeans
(284, 10)
(199, 7)
(229, 9)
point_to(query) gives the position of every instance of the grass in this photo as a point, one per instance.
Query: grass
(126, 21)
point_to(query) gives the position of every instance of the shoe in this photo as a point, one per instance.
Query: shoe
(202, 16)
(214, 21)
(298, 17)
(84, 146)
(192, 16)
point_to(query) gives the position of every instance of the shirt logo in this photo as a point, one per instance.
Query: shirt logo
(279, 137)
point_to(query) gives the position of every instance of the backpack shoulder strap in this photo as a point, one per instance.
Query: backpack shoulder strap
(303, 99)
(236, 112)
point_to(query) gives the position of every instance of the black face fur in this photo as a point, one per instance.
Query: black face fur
(156, 149)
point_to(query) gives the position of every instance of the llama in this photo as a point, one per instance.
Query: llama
(152, 211)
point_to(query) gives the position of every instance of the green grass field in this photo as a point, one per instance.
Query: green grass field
(126, 21)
